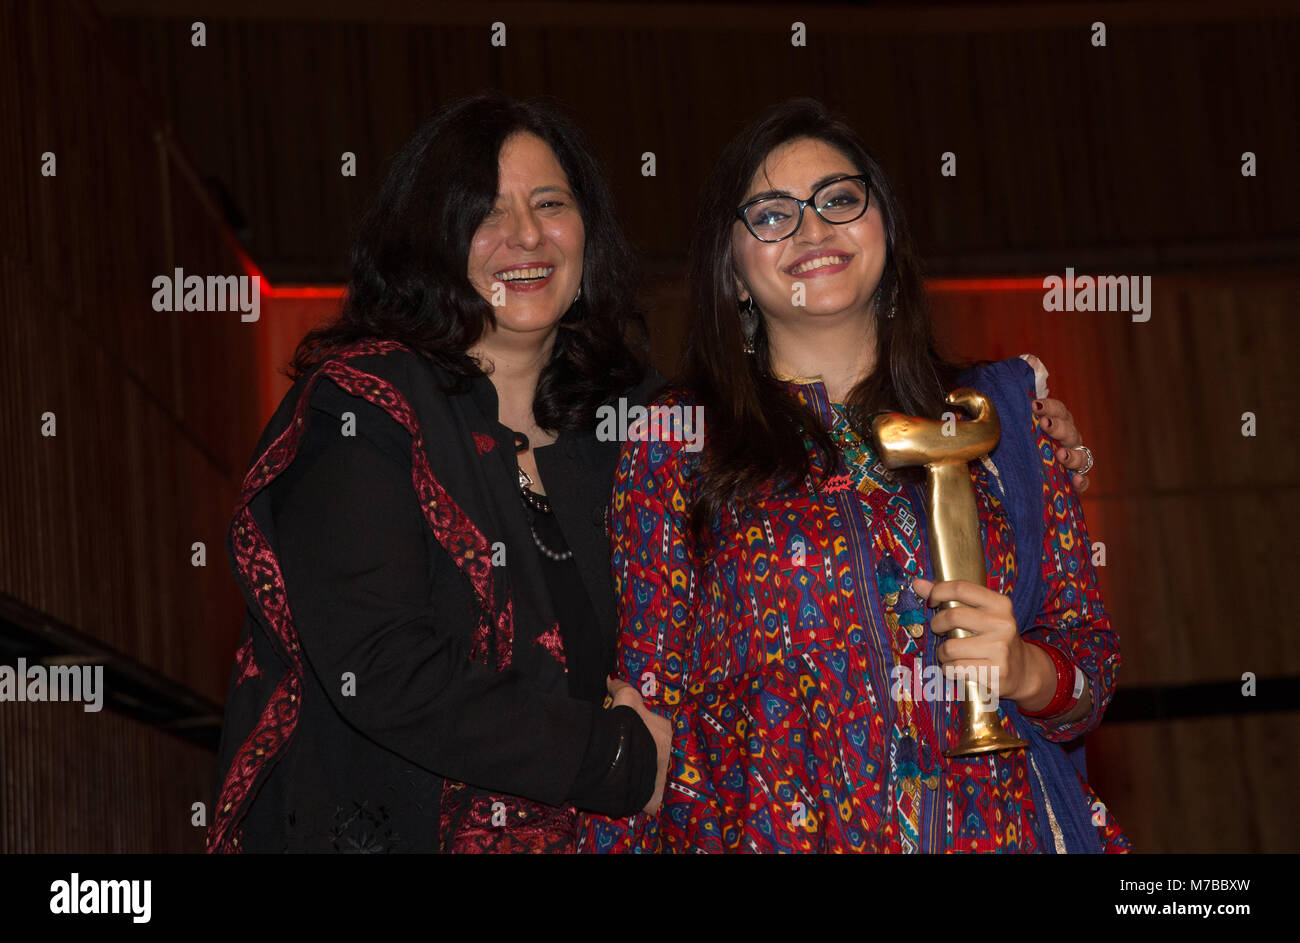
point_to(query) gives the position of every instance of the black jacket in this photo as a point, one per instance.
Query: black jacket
(394, 688)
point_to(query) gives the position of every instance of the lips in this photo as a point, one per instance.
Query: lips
(525, 276)
(819, 263)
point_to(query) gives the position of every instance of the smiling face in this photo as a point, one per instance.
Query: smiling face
(839, 266)
(531, 241)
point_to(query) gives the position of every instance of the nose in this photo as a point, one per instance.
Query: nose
(812, 228)
(523, 231)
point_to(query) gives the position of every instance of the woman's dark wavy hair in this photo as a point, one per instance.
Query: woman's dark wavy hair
(754, 440)
(410, 260)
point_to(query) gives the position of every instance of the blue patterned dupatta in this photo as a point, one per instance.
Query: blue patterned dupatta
(1054, 773)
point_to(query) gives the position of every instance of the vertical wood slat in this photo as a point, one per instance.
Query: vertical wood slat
(72, 781)
(96, 523)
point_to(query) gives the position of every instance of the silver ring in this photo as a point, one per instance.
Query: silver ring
(1088, 452)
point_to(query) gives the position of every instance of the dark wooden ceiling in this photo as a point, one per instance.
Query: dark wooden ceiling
(1067, 153)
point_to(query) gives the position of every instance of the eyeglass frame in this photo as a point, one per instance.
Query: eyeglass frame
(866, 204)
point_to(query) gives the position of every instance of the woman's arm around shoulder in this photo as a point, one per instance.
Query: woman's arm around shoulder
(1073, 618)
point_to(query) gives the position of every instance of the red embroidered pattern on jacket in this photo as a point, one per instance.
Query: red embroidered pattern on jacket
(464, 543)
(246, 663)
(473, 823)
(553, 643)
(484, 442)
(260, 571)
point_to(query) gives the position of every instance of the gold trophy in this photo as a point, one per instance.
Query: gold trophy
(955, 548)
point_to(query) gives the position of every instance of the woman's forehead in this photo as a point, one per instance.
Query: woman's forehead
(795, 165)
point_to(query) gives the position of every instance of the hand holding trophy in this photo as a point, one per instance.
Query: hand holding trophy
(956, 551)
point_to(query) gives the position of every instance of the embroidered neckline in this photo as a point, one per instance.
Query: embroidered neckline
(801, 381)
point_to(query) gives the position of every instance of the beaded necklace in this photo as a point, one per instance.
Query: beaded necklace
(535, 503)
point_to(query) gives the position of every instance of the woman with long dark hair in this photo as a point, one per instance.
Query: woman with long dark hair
(772, 591)
(420, 538)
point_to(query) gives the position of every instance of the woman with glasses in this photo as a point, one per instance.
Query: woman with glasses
(421, 537)
(772, 588)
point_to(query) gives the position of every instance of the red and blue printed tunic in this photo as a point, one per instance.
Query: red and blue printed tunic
(778, 649)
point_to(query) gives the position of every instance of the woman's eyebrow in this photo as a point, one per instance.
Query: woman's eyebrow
(770, 194)
(548, 188)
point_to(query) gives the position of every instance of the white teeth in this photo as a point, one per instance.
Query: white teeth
(817, 263)
(524, 274)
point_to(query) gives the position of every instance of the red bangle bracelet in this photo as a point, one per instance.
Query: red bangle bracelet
(1062, 699)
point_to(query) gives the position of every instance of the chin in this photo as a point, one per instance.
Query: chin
(524, 321)
(826, 308)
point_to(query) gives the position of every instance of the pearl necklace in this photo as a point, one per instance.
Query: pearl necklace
(534, 502)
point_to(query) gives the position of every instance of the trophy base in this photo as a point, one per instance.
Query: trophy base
(975, 746)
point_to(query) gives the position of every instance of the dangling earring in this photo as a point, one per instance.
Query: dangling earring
(748, 325)
(893, 302)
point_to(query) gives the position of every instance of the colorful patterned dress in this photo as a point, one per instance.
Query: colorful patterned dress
(777, 649)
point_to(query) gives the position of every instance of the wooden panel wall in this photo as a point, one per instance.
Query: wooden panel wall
(156, 415)
(78, 782)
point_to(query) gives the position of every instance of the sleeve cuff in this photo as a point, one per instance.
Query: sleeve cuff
(1040, 374)
(617, 776)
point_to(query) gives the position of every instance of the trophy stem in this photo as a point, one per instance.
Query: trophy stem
(956, 548)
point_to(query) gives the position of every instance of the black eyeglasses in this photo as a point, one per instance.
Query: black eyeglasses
(773, 218)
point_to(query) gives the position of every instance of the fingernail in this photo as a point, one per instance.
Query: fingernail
(1047, 423)
(1038, 406)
